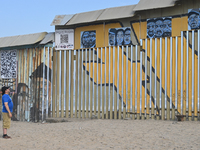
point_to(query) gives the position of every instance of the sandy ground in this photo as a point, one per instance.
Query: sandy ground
(103, 134)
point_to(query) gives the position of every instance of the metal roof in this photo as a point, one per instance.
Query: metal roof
(153, 4)
(117, 12)
(61, 19)
(97, 15)
(21, 40)
(85, 17)
(111, 13)
(50, 37)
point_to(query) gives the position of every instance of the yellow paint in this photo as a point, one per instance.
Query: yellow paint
(153, 77)
(158, 76)
(143, 30)
(133, 87)
(178, 25)
(138, 83)
(129, 83)
(143, 87)
(163, 79)
(137, 29)
(168, 78)
(195, 82)
(140, 29)
(190, 83)
(124, 78)
(148, 74)
(184, 75)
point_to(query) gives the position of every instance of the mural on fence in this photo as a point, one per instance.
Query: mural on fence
(27, 88)
(37, 83)
(120, 36)
(153, 76)
(159, 27)
(193, 19)
(88, 39)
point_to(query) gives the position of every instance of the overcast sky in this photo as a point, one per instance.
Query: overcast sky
(18, 17)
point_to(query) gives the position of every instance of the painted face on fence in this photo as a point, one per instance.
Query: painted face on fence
(85, 39)
(127, 37)
(167, 28)
(120, 37)
(92, 39)
(111, 38)
(159, 28)
(150, 29)
(193, 21)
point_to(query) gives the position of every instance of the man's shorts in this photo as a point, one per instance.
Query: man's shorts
(6, 120)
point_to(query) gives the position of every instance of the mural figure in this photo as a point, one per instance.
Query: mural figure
(150, 28)
(22, 96)
(120, 36)
(8, 64)
(88, 39)
(112, 39)
(167, 28)
(160, 27)
(193, 19)
(127, 36)
(37, 91)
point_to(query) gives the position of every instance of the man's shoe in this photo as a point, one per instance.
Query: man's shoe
(6, 137)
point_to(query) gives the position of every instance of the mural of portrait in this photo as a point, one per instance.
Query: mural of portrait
(158, 28)
(88, 39)
(112, 39)
(127, 36)
(120, 36)
(193, 19)
(37, 92)
(150, 28)
(167, 27)
(22, 96)
(92, 39)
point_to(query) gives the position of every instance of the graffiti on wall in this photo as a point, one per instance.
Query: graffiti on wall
(37, 92)
(159, 27)
(88, 39)
(193, 19)
(8, 64)
(120, 36)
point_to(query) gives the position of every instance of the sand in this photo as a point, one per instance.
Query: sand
(103, 134)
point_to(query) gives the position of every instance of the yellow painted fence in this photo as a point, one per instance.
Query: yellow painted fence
(157, 80)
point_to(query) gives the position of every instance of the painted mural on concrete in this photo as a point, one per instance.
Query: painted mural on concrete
(120, 36)
(8, 64)
(88, 39)
(193, 19)
(159, 27)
